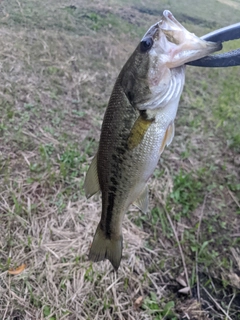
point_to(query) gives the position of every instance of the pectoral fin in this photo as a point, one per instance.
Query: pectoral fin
(91, 183)
(168, 137)
(142, 201)
(138, 131)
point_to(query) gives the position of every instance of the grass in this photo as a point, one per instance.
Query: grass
(58, 65)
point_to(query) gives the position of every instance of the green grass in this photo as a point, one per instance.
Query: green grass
(187, 193)
(227, 111)
(157, 311)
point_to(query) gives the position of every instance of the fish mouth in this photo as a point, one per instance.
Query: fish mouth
(187, 46)
(170, 23)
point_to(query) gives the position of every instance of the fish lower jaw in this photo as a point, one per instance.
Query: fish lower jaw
(190, 51)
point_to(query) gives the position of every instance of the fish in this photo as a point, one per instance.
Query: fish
(138, 124)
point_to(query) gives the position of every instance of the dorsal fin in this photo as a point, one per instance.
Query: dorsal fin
(91, 183)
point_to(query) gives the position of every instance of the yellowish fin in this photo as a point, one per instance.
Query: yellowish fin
(142, 201)
(138, 131)
(168, 137)
(104, 248)
(91, 183)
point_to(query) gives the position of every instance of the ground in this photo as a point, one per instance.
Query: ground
(59, 61)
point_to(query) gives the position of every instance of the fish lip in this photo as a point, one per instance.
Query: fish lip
(169, 19)
(168, 15)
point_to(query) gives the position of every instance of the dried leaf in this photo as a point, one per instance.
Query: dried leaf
(184, 290)
(138, 302)
(234, 279)
(17, 270)
(181, 280)
(236, 256)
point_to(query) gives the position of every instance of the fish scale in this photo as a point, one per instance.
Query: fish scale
(138, 124)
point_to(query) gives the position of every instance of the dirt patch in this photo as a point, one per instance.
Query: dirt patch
(230, 3)
(196, 21)
(183, 18)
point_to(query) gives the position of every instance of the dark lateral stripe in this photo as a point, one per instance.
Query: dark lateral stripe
(114, 181)
(121, 150)
(112, 188)
(111, 198)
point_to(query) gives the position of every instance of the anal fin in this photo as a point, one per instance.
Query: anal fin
(142, 201)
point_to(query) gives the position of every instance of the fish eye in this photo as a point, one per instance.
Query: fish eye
(146, 44)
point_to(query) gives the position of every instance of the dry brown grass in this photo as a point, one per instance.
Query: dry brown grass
(54, 249)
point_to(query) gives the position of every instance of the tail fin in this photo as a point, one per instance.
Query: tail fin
(104, 248)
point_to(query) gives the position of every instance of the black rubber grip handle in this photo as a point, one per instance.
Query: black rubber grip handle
(227, 59)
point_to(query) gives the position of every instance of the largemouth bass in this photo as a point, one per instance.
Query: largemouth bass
(138, 124)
